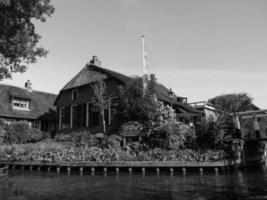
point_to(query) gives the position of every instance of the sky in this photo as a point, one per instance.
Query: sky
(199, 48)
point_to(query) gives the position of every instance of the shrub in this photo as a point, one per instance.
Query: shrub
(2, 134)
(20, 132)
(85, 139)
(114, 141)
(17, 133)
(60, 137)
(215, 134)
(2, 123)
(34, 135)
(177, 134)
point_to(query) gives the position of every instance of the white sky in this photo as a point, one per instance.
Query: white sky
(200, 48)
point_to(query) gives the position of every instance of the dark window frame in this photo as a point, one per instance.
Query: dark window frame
(74, 94)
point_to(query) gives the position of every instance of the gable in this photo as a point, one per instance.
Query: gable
(92, 73)
(84, 77)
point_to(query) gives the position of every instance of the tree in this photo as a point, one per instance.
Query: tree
(100, 100)
(233, 102)
(137, 104)
(18, 38)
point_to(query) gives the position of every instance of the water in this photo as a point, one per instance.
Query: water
(245, 184)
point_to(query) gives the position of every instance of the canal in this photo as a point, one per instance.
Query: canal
(241, 184)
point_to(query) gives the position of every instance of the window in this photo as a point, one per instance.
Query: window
(93, 115)
(74, 95)
(76, 116)
(64, 113)
(20, 104)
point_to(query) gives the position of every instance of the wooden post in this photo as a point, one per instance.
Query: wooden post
(117, 170)
(201, 170)
(105, 170)
(216, 170)
(81, 170)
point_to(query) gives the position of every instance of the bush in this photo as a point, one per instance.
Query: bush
(17, 133)
(177, 134)
(114, 141)
(60, 137)
(215, 134)
(85, 139)
(20, 132)
(2, 134)
(34, 135)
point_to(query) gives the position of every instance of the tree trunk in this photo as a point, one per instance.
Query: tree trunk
(103, 121)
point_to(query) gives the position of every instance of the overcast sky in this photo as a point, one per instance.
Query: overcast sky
(200, 48)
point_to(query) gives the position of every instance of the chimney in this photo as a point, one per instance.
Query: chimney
(28, 85)
(96, 61)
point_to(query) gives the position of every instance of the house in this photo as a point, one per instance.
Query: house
(74, 106)
(35, 107)
(209, 112)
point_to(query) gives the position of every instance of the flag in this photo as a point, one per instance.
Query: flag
(145, 59)
(145, 67)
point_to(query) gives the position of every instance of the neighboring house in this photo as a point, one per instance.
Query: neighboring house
(74, 106)
(207, 109)
(35, 107)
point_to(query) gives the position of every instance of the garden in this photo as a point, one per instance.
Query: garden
(151, 121)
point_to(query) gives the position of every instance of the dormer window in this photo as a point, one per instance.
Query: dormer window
(20, 104)
(74, 95)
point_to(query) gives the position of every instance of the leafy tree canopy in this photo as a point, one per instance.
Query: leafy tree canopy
(233, 102)
(18, 39)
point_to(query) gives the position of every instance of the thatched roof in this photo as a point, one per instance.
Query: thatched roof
(41, 103)
(91, 73)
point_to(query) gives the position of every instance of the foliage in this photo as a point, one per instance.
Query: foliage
(114, 141)
(214, 134)
(2, 134)
(60, 137)
(17, 133)
(55, 153)
(2, 123)
(34, 135)
(176, 133)
(233, 102)
(85, 139)
(134, 105)
(20, 132)
(18, 38)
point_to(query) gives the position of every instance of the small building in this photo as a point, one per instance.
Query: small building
(76, 110)
(209, 112)
(35, 107)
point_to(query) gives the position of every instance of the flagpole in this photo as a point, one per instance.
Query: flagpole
(143, 65)
(143, 52)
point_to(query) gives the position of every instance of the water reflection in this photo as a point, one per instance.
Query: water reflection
(246, 184)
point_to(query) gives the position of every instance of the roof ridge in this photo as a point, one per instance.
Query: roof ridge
(23, 88)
